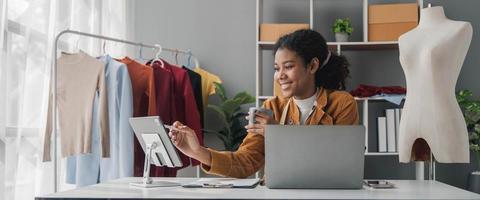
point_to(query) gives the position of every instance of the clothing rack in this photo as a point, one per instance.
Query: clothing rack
(54, 85)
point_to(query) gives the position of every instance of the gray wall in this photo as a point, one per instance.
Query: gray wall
(222, 34)
(464, 10)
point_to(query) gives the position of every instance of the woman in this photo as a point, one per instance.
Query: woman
(311, 79)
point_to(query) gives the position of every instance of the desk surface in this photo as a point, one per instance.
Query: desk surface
(120, 189)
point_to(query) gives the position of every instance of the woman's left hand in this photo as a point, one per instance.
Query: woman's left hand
(261, 120)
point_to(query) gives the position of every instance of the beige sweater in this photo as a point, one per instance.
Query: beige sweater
(79, 77)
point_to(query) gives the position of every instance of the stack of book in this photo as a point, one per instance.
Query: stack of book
(388, 130)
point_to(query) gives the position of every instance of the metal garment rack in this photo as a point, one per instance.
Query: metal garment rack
(54, 85)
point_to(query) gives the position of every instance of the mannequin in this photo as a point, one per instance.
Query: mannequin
(431, 56)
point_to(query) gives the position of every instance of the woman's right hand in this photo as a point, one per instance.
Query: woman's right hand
(184, 138)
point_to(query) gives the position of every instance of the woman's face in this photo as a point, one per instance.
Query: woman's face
(292, 75)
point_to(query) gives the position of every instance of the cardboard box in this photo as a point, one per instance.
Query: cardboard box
(386, 22)
(271, 32)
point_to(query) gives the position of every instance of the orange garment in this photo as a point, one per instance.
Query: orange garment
(143, 88)
(144, 103)
(333, 108)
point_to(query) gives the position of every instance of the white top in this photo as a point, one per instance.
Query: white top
(120, 188)
(306, 107)
(432, 55)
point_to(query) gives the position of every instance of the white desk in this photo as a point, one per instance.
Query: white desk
(120, 189)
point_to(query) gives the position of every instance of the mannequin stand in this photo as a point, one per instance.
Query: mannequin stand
(420, 169)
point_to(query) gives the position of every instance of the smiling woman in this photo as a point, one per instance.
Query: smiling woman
(311, 79)
(307, 48)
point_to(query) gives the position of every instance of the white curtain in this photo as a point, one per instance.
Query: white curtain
(26, 57)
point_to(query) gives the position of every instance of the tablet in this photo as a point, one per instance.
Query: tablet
(151, 129)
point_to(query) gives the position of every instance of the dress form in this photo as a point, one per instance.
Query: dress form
(431, 56)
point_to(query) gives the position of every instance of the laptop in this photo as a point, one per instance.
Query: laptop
(327, 157)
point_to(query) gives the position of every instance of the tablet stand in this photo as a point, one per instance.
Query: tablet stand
(147, 180)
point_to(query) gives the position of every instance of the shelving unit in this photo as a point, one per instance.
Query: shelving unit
(339, 47)
(346, 46)
(381, 153)
(261, 98)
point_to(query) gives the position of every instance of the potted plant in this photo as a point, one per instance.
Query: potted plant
(342, 29)
(471, 111)
(232, 118)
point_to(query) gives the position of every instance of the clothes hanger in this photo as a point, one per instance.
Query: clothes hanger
(197, 64)
(189, 52)
(157, 56)
(140, 53)
(104, 52)
(77, 47)
(176, 56)
(70, 50)
(195, 60)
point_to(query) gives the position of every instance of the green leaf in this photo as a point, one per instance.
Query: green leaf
(474, 147)
(230, 105)
(209, 131)
(220, 90)
(244, 98)
(466, 93)
(232, 117)
(349, 31)
(221, 114)
(471, 111)
(477, 128)
(237, 127)
(239, 115)
(473, 136)
(222, 137)
(342, 26)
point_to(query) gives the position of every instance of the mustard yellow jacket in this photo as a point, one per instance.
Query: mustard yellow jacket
(333, 107)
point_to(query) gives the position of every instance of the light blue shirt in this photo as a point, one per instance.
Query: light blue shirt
(90, 169)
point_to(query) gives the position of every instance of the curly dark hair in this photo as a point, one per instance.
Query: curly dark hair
(309, 44)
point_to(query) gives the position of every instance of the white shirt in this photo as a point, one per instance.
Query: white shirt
(306, 106)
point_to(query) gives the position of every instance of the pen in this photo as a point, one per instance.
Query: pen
(170, 127)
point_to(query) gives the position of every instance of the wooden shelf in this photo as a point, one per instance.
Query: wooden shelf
(371, 98)
(381, 153)
(356, 98)
(358, 46)
(346, 46)
(266, 45)
(264, 97)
